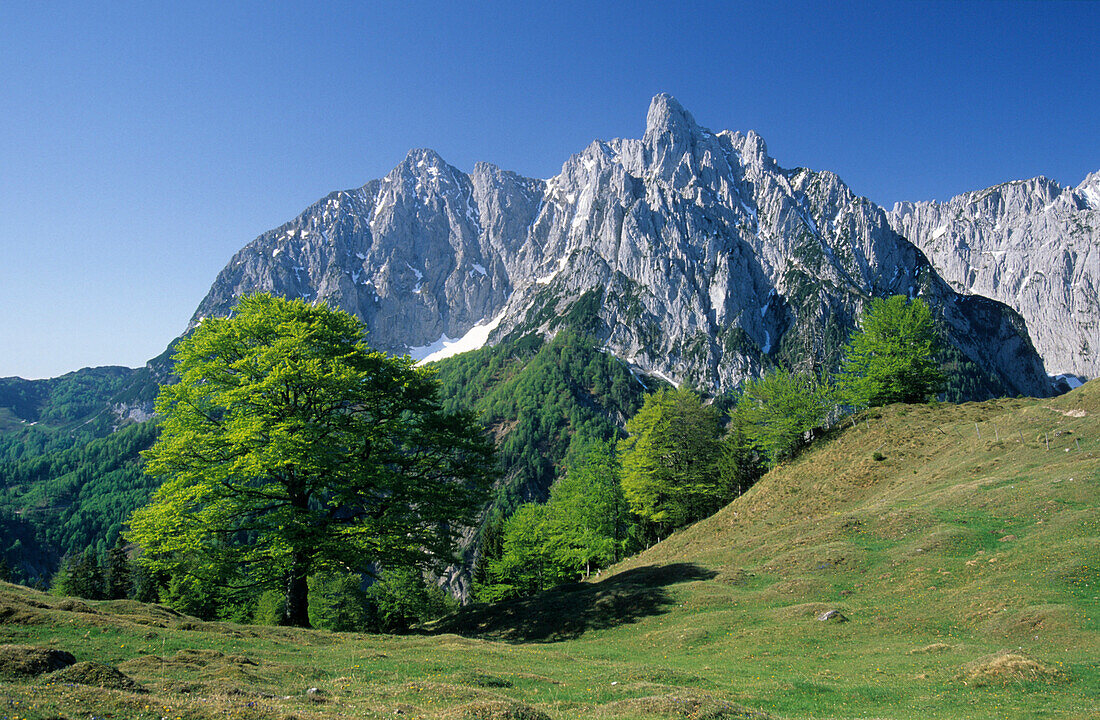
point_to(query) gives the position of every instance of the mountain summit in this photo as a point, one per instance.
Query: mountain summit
(688, 254)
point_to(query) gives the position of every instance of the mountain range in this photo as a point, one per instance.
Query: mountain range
(1031, 244)
(689, 254)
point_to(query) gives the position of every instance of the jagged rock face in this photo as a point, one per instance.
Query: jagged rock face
(1030, 244)
(690, 254)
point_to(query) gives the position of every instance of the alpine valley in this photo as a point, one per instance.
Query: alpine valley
(686, 256)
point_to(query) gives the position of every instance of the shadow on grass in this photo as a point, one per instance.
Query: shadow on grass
(569, 611)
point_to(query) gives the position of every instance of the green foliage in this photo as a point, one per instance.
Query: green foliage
(81, 576)
(76, 498)
(73, 397)
(584, 526)
(740, 464)
(544, 402)
(670, 460)
(289, 448)
(776, 411)
(194, 594)
(588, 518)
(892, 356)
(401, 598)
(337, 602)
(271, 608)
(117, 578)
(527, 563)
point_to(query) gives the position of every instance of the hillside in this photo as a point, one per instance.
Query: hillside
(968, 568)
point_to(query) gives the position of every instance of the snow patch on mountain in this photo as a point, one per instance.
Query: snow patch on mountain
(446, 347)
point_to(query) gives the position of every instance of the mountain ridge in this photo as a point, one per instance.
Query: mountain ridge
(1031, 244)
(711, 262)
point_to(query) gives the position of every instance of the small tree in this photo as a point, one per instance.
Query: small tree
(81, 576)
(741, 463)
(288, 447)
(891, 357)
(528, 562)
(670, 460)
(402, 598)
(776, 411)
(587, 513)
(116, 572)
(336, 602)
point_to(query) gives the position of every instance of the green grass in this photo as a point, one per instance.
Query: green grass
(969, 570)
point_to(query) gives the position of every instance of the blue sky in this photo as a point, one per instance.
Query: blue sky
(142, 144)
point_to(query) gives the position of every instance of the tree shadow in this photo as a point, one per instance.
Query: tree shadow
(567, 612)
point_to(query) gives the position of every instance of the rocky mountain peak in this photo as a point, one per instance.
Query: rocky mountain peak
(1090, 190)
(687, 254)
(670, 134)
(667, 116)
(754, 151)
(1031, 244)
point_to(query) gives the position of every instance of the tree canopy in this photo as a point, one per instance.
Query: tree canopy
(289, 447)
(583, 526)
(892, 356)
(775, 411)
(671, 460)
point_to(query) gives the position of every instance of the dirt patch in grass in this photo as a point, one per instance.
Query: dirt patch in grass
(96, 675)
(931, 649)
(696, 707)
(481, 679)
(11, 614)
(794, 588)
(18, 661)
(1008, 667)
(71, 605)
(496, 710)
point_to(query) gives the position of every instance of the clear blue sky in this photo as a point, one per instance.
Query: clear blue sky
(142, 144)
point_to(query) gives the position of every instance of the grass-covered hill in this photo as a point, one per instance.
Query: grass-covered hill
(961, 544)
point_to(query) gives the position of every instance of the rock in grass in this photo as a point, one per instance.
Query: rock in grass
(28, 660)
(832, 616)
(96, 675)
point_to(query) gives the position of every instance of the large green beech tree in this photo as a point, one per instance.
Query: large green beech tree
(289, 447)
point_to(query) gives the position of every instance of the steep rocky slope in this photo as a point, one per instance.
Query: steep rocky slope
(1031, 244)
(702, 259)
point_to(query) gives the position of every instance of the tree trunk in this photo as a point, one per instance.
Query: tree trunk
(297, 592)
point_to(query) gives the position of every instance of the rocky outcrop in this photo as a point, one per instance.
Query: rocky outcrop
(1031, 244)
(688, 253)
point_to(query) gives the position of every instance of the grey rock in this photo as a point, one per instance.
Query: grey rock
(833, 616)
(1031, 244)
(690, 254)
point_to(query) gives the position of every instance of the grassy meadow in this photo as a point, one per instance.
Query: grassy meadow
(958, 544)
